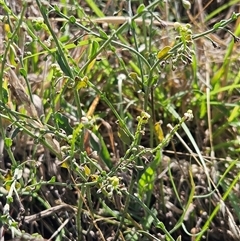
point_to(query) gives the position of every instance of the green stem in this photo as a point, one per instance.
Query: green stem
(61, 55)
(79, 213)
(156, 221)
(124, 212)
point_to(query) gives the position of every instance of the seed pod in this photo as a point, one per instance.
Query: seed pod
(186, 4)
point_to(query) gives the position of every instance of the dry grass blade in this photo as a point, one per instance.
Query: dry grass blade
(19, 93)
(49, 212)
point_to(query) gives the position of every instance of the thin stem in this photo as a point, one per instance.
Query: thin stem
(62, 56)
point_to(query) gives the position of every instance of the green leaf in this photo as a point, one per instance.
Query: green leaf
(104, 153)
(216, 25)
(56, 8)
(72, 19)
(134, 76)
(62, 65)
(133, 25)
(63, 122)
(37, 26)
(52, 180)
(102, 33)
(158, 131)
(82, 83)
(23, 72)
(8, 142)
(9, 199)
(94, 48)
(203, 109)
(234, 16)
(94, 141)
(164, 52)
(141, 8)
(95, 8)
(64, 38)
(75, 135)
(219, 24)
(14, 224)
(234, 114)
(87, 171)
(146, 181)
(5, 95)
(63, 28)
(124, 136)
(132, 236)
(149, 219)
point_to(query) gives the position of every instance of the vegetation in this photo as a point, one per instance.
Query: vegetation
(120, 120)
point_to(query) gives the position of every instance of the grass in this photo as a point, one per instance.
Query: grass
(115, 128)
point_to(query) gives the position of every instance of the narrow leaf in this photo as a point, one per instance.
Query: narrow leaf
(141, 8)
(158, 131)
(164, 52)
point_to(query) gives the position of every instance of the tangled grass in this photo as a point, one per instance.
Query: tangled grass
(119, 121)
